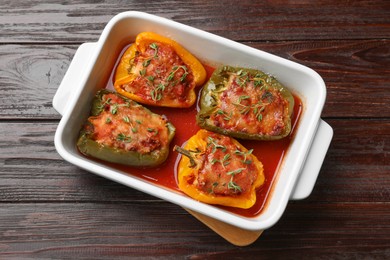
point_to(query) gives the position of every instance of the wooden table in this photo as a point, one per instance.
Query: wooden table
(52, 209)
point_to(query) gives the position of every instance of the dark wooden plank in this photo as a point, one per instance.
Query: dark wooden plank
(32, 170)
(52, 209)
(75, 21)
(29, 78)
(355, 170)
(355, 72)
(357, 165)
(105, 231)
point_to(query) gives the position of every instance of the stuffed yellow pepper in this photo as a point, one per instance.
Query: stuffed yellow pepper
(158, 71)
(216, 169)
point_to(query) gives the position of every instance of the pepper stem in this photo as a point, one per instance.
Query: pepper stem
(185, 152)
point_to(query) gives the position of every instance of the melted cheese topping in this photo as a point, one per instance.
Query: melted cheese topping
(160, 76)
(249, 106)
(225, 169)
(128, 126)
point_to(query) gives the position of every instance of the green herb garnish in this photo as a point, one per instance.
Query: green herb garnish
(154, 46)
(146, 62)
(156, 93)
(215, 145)
(126, 119)
(233, 186)
(234, 172)
(122, 137)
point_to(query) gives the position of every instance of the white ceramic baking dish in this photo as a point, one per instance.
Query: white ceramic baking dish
(91, 68)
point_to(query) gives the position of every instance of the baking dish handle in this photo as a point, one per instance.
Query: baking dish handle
(313, 163)
(75, 71)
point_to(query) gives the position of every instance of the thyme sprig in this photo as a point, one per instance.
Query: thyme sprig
(102, 105)
(225, 115)
(126, 119)
(154, 46)
(124, 138)
(257, 108)
(212, 142)
(171, 75)
(146, 62)
(142, 72)
(224, 161)
(152, 130)
(244, 154)
(156, 93)
(242, 80)
(232, 185)
(236, 171)
(114, 107)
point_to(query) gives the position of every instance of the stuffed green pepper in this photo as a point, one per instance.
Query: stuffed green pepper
(245, 103)
(122, 131)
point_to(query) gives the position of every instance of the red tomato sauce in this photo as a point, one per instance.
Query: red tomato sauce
(270, 153)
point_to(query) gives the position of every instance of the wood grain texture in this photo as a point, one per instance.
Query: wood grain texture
(77, 21)
(50, 209)
(29, 78)
(355, 72)
(355, 169)
(138, 230)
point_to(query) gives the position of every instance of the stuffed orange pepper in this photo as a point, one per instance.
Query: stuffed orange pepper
(158, 71)
(216, 169)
